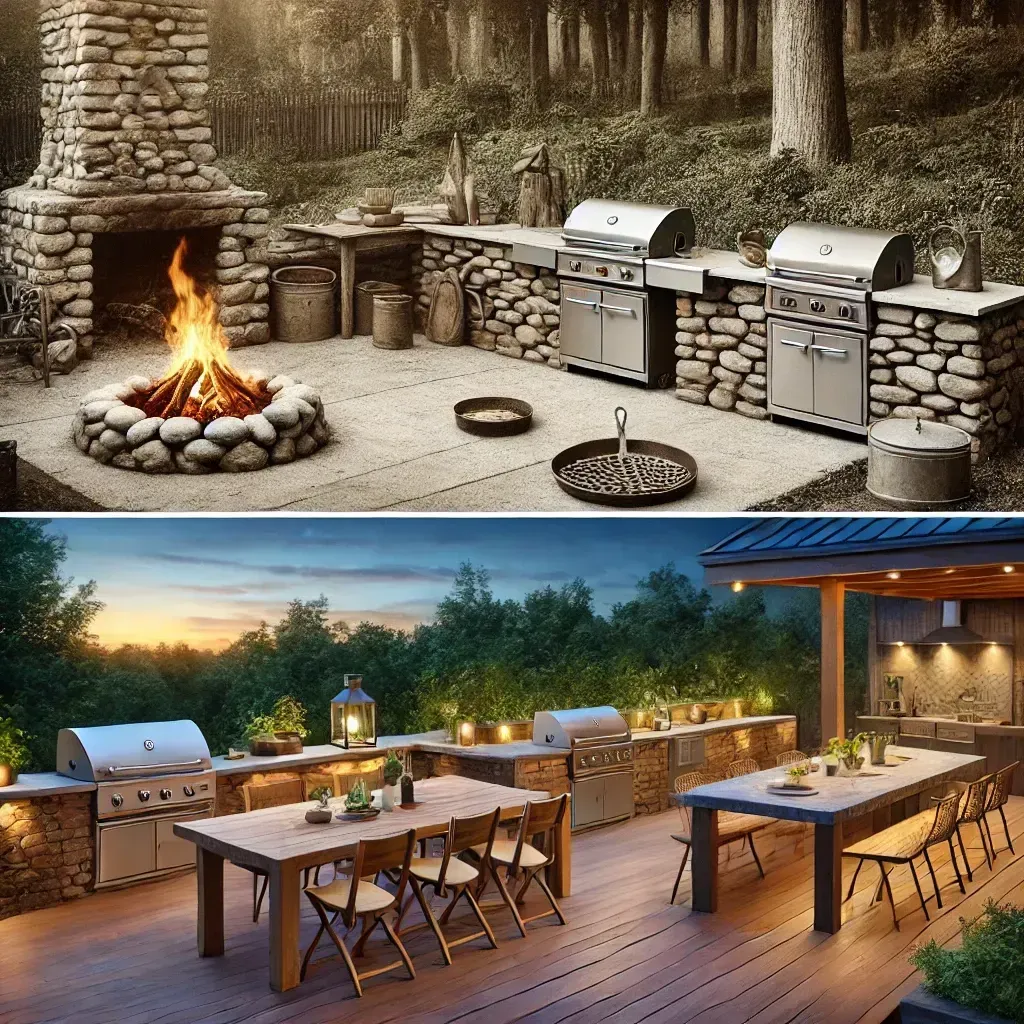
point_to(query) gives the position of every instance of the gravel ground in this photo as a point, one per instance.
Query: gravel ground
(998, 487)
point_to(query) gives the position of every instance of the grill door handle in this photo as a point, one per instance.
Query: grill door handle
(827, 351)
(802, 345)
(592, 303)
(620, 309)
(113, 769)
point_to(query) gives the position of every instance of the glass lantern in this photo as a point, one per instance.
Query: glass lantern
(353, 716)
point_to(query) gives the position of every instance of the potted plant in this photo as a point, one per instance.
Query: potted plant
(358, 801)
(981, 981)
(847, 752)
(796, 775)
(13, 752)
(449, 712)
(393, 771)
(280, 732)
(321, 814)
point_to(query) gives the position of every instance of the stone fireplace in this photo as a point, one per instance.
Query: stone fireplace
(127, 149)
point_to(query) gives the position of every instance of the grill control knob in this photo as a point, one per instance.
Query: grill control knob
(144, 795)
(601, 271)
(116, 800)
(189, 791)
(625, 273)
(787, 302)
(817, 306)
(607, 758)
(575, 266)
(845, 312)
(165, 794)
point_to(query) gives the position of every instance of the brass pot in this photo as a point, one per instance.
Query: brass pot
(697, 715)
(8, 776)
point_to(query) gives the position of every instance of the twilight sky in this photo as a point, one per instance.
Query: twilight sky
(204, 581)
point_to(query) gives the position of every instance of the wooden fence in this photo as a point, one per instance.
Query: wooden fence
(308, 124)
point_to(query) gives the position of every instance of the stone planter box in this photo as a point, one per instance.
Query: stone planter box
(921, 1007)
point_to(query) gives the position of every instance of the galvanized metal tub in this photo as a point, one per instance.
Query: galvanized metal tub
(302, 303)
(392, 321)
(918, 464)
(364, 303)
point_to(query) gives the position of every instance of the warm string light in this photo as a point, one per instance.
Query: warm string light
(737, 587)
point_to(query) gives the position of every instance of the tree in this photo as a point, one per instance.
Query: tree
(808, 86)
(634, 50)
(858, 25)
(749, 12)
(730, 16)
(655, 40)
(702, 33)
(598, 25)
(540, 60)
(569, 41)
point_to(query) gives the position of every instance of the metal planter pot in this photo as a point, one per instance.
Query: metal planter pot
(918, 464)
(302, 303)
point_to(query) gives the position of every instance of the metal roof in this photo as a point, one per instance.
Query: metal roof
(790, 539)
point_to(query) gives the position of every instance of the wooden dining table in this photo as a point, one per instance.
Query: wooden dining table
(281, 843)
(838, 799)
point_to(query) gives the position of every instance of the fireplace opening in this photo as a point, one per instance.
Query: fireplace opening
(132, 293)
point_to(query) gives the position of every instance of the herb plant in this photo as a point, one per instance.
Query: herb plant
(287, 715)
(13, 749)
(393, 769)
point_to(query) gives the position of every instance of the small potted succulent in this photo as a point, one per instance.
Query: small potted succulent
(321, 814)
(13, 752)
(796, 775)
(357, 803)
(393, 771)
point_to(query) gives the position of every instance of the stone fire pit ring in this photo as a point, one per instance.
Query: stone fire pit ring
(114, 432)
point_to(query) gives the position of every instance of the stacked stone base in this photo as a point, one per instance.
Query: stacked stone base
(49, 238)
(520, 304)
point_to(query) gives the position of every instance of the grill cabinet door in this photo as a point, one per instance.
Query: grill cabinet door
(622, 330)
(838, 377)
(618, 795)
(587, 802)
(792, 368)
(580, 331)
(126, 850)
(171, 850)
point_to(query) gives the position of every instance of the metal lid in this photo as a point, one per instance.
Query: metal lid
(640, 228)
(923, 438)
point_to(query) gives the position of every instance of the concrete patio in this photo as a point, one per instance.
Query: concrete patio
(395, 445)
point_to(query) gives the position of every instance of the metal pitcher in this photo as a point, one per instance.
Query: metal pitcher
(878, 745)
(956, 258)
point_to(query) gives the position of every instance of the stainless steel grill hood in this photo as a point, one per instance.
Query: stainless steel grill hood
(953, 630)
(580, 727)
(636, 229)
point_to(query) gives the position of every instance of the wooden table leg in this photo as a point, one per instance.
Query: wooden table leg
(704, 859)
(348, 280)
(828, 878)
(284, 927)
(210, 915)
(559, 872)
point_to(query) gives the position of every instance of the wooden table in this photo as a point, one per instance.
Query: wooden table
(280, 842)
(838, 799)
(351, 238)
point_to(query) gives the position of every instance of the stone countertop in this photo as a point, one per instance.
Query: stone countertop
(44, 784)
(497, 234)
(711, 262)
(988, 727)
(839, 797)
(720, 725)
(921, 295)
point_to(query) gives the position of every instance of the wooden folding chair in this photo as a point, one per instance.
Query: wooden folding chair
(973, 802)
(733, 826)
(357, 900)
(449, 874)
(902, 844)
(790, 757)
(524, 863)
(257, 797)
(998, 797)
(744, 766)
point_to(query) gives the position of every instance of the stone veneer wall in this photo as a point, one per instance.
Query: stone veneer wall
(520, 302)
(957, 370)
(544, 774)
(47, 851)
(229, 787)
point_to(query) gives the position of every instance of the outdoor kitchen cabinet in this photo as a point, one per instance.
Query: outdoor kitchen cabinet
(604, 326)
(602, 799)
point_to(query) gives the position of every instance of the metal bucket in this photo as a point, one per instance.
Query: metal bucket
(364, 303)
(392, 321)
(918, 464)
(302, 303)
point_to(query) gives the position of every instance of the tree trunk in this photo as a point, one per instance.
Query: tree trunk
(454, 19)
(702, 33)
(808, 87)
(618, 38)
(655, 39)
(569, 43)
(398, 52)
(730, 10)
(540, 59)
(598, 45)
(634, 51)
(417, 54)
(858, 26)
(749, 11)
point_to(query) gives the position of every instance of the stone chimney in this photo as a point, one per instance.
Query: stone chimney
(124, 98)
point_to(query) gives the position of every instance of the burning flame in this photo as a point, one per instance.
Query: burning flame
(200, 382)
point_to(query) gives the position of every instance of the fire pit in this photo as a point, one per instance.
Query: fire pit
(202, 415)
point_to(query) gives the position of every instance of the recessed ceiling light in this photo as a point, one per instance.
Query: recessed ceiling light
(1008, 568)
(893, 575)
(949, 572)
(899, 643)
(737, 587)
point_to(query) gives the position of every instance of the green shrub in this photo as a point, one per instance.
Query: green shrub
(13, 749)
(987, 972)
(287, 715)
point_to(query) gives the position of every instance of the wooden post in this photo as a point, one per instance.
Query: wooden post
(284, 927)
(832, 657)
(559, 873)
(704, 859)
(210, 893)
(828, 878)
(347, 282)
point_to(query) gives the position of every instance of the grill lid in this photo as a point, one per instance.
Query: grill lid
(105, 752)
(631, 228)
(873, 259)
(579, 727)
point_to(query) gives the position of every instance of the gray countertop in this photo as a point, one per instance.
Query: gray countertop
(44, 784)
(920, 294)
(839, 797)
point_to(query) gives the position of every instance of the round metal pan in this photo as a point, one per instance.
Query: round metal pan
(494, 428)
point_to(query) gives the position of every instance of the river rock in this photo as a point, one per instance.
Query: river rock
(245, 458)
(179, 430)
(283, 451)
(123, 418)
(281, 414)
(918, 378)
(154, 457)
(208, 453)
(94, 412)
(145, 430)
(305, 445)
(279, 383)
(113, 440)
(261, 430)
(962, 388)
(227, 430)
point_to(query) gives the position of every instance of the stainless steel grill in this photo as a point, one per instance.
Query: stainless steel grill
(147, 777)
(818, 300)
(610, 322)
(600, 762)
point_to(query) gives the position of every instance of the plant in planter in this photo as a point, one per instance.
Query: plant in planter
(985, 974)
(358, 800)
(449, 712)
(796, 774)
(279, 732)
(847, 752)
(321, 814)
(13, 752)
(393, 771)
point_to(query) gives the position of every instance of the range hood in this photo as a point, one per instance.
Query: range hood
(953, 630)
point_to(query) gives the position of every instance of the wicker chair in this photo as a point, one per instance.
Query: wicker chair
(903, 844)
(732, 826)
(357, 901)
(790, 757)
(973, 803)
(998, 797)
(744, 766)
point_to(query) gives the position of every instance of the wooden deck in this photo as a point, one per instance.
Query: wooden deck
(625, 957)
